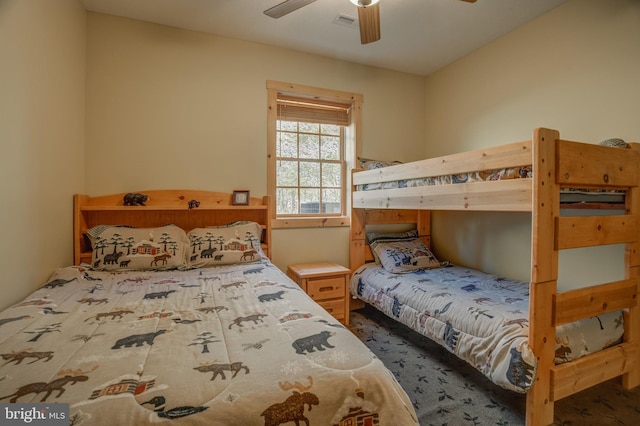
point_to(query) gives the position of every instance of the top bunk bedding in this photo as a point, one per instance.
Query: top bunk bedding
(425, 183)
(567, 195)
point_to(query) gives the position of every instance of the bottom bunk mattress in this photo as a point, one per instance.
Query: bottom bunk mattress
(234, 345)
(481, 318)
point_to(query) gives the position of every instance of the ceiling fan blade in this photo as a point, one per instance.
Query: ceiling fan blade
(286, 7)
(369, 18)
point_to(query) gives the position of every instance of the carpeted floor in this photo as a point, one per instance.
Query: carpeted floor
(447, 391)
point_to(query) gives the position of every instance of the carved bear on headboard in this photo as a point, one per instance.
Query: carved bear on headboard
(135, 199)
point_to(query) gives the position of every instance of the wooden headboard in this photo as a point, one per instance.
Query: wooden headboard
(164, 207)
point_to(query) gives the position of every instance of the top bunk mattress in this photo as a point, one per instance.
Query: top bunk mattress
(481, 318)
(567, 195)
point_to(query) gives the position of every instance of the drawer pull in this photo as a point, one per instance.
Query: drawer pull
(321, 289)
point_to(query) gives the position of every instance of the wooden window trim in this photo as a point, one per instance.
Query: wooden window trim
(275, 88)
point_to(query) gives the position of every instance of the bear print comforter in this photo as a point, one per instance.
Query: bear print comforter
(233, 345)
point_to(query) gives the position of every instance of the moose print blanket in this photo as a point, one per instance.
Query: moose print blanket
(233, 345)
(481, 318)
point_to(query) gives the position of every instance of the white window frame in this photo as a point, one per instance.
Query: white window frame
(352, 143)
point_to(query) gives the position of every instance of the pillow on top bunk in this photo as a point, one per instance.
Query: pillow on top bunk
(401, 252)
(119, 248)
(237, 242)
(369, 164)
(615, 143)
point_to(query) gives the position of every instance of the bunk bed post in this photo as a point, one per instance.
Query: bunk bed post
(544, 273)
(632, 267)
(357, 248)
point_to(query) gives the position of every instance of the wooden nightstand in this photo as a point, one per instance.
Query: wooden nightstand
(327, 283)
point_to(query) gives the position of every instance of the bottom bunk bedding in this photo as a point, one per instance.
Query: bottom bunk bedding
(240, 344)
(481, 318)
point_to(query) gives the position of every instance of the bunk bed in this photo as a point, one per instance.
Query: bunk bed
(552, 165)
(173, 313)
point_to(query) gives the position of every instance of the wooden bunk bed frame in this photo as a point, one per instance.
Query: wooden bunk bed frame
(165, 207)
(556, 164)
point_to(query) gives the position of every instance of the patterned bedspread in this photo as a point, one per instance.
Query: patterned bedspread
(481, 318)
(567, 195)
(480, 176)
(234, 345)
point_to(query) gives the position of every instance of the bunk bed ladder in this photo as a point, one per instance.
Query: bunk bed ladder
(557, 164)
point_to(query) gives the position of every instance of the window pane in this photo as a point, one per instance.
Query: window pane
(287, 173)
(286, 201)
(309, 159)
(309, 146)
(309, 127)
(329, 129)
(331, 176)
(287, 145)
(330, 148)
(291, 126)
(309, 201)
(331, 200)
(309, 173)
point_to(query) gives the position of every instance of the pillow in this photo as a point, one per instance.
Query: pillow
(615, 143)
(391, 236)
(376, 237)
(404, 255)
(118, 248)
(369, 164)
(238, 242)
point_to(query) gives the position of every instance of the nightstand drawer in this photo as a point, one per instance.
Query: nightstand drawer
(326, 288)
(327, 284)
(334, 307)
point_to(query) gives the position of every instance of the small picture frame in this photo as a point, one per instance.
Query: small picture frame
(240, 198)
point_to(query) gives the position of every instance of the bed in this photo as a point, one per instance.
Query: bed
(553, 165)
(173, 312)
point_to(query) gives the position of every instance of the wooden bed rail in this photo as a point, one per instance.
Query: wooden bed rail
(496, 157)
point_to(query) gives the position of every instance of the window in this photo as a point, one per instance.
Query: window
(311, 145)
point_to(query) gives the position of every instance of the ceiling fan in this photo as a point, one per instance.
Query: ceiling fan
(368, 15)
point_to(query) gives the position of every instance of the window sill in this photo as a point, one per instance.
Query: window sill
(311, 222)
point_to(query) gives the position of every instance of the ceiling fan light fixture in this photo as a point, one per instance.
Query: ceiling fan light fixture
(364, 3)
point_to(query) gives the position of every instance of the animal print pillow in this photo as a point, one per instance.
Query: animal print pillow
(238, 242)
(404, 256)
(379, 237)
(118, 248)
(369, 164)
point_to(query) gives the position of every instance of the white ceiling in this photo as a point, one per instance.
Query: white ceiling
(418, 36)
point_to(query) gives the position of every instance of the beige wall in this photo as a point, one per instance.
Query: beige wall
(169, 108)
(574, 69)
(42, 46)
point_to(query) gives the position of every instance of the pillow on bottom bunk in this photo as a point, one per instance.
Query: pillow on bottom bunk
(404, 255)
